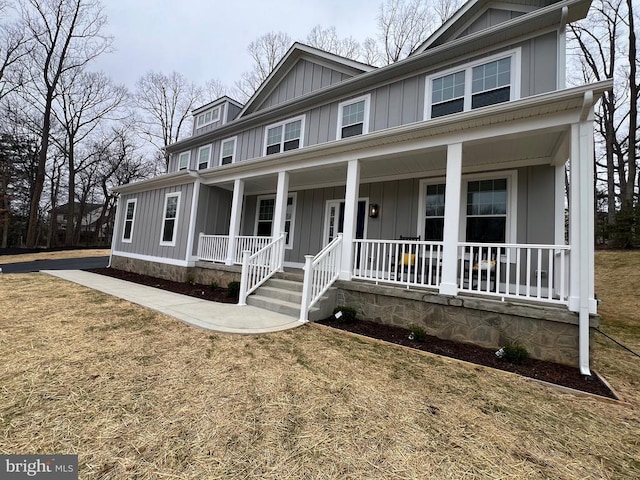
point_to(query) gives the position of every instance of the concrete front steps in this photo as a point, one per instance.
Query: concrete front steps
(284, 295)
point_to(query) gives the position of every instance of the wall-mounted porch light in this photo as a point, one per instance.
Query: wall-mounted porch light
(374, 210)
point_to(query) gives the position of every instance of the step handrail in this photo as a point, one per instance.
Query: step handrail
(320, 272)
(260, 267)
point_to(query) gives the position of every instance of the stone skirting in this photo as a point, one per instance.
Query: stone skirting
(547, 332)
(203, 273)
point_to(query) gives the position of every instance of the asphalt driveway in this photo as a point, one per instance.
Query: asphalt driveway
(62, 264)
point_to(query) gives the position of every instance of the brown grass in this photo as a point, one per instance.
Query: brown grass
(30, 257)
(138, 395)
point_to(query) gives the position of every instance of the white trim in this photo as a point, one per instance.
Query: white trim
(171, 243)
(365, 120)
(467, 68)
(233, 155)
(512, 201)
(210, 147)
(133, 219)
(215, 117)
(294, 201)
(188, 155)
(282, 124)
(192, 219)
(151, 258)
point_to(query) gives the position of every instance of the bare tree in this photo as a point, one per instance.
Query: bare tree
(403, 25)
(327, 39)
(445, 9)
(14, 45)
(266, 51)
(213, 89)
(166, 102)
(85, 100)
(371, 54)
(66, 35)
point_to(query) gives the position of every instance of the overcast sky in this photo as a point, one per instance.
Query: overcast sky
(205, 39)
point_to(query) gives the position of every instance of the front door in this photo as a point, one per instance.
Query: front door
(334, 219)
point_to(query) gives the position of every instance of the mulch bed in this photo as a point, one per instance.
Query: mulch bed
(538, 369)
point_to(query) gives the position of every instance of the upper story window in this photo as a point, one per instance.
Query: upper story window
(284, 136)
(129, 216)
(475, 85)
(353, 117)
(210, 116)
(228, 151)
(183, 160)
(204, 155)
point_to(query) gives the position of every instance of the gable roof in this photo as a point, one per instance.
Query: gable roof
(470, 11)
(216, 102)
(294, 54)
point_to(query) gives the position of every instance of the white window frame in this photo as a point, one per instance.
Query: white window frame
(215, 116)
(187, 155)
(294, 201)
(282, 124)
(210, 147)
(510, 234)
(171, 243)
(516, 74)
(365, 120)
(134, 201)
(233, 155)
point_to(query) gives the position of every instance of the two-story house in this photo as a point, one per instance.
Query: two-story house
(429, 191)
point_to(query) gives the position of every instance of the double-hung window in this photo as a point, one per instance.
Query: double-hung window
(434, 212)
(170, 219)
(183, 160)
(284, 136)
(487, 211)
(204, 155)
(207, 117)
(228, 151)
(353, 117)
(129, 216)
(264, 221)
(473, 86)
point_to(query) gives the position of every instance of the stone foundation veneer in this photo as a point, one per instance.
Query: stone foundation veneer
(547, 332)
(203, 272)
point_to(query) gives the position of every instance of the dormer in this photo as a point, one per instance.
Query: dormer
(215, 114)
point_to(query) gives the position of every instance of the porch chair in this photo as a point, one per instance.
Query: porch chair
(484, 267)
(408, 259)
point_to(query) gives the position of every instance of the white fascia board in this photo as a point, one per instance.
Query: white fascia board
(181, 177)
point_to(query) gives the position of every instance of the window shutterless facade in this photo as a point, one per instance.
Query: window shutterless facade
(170, 219)
(353, 117)
(204, 156)
(474, 85)
(284, 136)
(228, 151)
(264, 217)
(183, 160)
(434, 212)
(207, 117)
(487, 211)
(129, 217)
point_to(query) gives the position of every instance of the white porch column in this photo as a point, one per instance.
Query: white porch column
(350, 218)
(449, 284)
(234, 221)
(280, 212)
(558, 201)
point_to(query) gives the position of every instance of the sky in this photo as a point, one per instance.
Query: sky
(208, 39)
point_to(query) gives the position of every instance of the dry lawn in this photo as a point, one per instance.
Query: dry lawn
(139, 395)
(58, 255)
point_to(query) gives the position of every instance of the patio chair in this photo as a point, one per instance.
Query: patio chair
(484, 267)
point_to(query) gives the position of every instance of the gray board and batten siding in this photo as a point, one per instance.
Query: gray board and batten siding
(399, 203)
(394, 104)
(213, 214)
(147, 228)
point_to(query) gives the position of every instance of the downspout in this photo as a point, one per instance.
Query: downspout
(561, 74)
(585, 169)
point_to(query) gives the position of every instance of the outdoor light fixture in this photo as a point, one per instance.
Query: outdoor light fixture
(373, 210)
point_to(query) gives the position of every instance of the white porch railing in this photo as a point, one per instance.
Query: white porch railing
(401, 262)
(524, 271)
(213, 248)
(257, 268)
(319, 274)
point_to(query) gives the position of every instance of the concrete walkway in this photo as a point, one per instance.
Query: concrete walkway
(219, 317)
